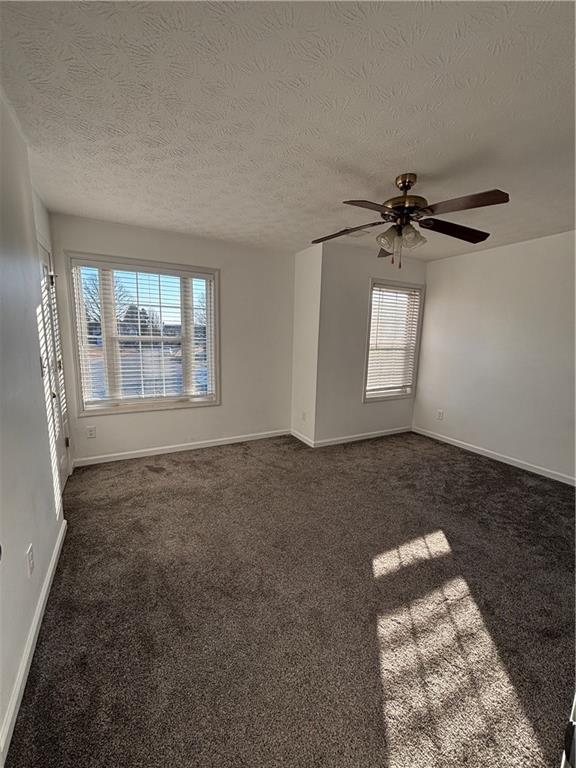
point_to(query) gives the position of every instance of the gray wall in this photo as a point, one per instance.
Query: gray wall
(28, 513)
(341, 412)
(498, 353)
(256, 288)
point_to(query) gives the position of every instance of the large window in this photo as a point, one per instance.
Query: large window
(145, 333)
(394, 335)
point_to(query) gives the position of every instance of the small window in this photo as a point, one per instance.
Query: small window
(394, 335)
(145, 335)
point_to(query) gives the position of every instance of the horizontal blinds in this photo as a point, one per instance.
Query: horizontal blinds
(144, 335)
(393, 343)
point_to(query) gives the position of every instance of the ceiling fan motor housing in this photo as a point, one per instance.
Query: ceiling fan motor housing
(406, 204)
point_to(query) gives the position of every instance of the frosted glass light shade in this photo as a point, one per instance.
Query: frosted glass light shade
(411, 238)
(388, 239)
(392, 242)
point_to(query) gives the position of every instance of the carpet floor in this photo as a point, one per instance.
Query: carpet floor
(394, 603)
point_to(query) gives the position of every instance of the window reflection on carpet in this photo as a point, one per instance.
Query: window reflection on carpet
(447, 696)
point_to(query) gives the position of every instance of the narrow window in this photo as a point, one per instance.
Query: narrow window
(395, 315)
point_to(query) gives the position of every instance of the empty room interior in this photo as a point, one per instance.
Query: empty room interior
(287, 385)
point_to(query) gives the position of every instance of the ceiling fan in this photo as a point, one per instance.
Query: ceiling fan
(406, 208)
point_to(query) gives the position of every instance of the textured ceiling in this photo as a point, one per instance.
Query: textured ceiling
(251, 122)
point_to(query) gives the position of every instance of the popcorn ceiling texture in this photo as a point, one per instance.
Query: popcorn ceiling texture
(251, 122)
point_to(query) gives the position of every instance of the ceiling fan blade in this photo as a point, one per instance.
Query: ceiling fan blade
(382, 253)
(347, 231)
(479, 200)
(454, 230)
(367, 204)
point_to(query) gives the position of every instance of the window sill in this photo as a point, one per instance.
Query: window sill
(382, 398)
(141, 407)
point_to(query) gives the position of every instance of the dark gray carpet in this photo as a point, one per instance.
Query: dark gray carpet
(393, 603)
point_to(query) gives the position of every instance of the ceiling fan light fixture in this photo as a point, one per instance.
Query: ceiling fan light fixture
(392, 242)
(397, 252)
(387, 240)
(406, 208)
(411, 238)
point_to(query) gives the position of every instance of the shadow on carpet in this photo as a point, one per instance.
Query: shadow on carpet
(395, 603)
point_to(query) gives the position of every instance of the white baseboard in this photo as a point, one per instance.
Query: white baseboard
(302, 438)
(28, 650)
(88, 460)
(551, 473)
(348, 438)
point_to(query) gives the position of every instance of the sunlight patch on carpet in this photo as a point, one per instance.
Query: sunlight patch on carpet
(447, 696)
(416, 551)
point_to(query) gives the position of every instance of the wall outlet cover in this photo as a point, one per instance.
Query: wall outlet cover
(90, 432)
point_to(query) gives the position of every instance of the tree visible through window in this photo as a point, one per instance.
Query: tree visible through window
(144, 335)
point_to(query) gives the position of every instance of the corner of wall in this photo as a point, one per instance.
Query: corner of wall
(305, 336)
(497, 355)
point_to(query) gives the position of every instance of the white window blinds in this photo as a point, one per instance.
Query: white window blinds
(144, 335)
(395, 313)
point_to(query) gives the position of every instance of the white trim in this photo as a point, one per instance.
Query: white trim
(421, 287)
(102, 260)
(363, 436)
(28, 650)
(161, 449)
(551, 473)
(349, 438)
(158, 450)
(144, 405)
(79, 258)
(383, 398)
(299, 436)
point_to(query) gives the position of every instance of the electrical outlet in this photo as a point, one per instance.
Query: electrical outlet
(90, 432)
(30, 560)
(440, 413)
(303, 416)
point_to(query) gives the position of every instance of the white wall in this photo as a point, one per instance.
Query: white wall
(27, 508)
(341, 412)
(256, 290)
(305, 334)
(498, 353)
(42, 222)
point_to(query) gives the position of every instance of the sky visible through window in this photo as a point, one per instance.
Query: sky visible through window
(147, 307)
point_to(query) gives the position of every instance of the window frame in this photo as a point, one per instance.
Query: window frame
(385, 283)
(97, 260)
